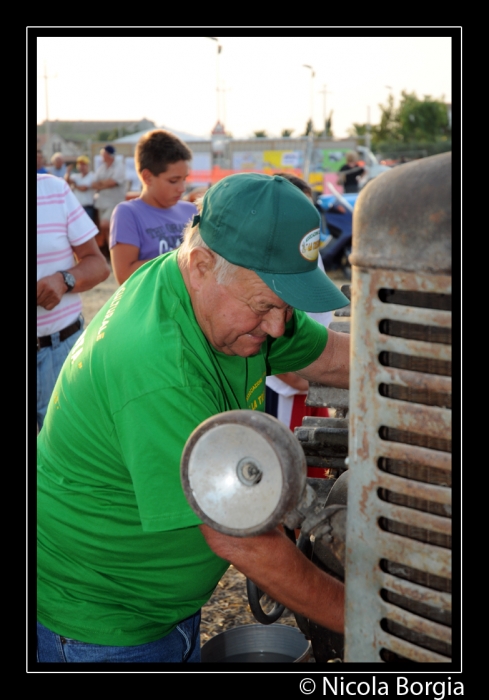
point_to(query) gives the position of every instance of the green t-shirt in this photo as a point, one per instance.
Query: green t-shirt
(120, 557)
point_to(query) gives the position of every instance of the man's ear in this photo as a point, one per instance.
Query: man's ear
(200, 264)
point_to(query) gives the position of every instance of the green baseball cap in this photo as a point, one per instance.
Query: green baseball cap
(266, 224)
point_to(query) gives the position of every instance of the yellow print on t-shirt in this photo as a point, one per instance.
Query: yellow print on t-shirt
(256, 401)
(110, 311)
(77, 349)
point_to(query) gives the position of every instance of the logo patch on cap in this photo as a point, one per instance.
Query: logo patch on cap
(309, 245)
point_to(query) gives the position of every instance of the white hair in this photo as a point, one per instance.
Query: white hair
(223, 269)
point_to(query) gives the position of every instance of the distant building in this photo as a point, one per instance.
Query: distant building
(91, 128)
(74, 137)
(53, 142)
(184, 136)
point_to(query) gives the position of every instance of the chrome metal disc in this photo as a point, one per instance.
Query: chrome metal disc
(242, 471)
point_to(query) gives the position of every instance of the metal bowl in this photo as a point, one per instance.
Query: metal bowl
(258, 644)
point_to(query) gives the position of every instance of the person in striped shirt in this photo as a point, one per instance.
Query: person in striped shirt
(69, 261)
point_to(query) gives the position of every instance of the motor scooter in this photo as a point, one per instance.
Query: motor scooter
(336, 212)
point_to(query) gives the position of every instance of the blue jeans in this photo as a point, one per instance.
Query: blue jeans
(49, 363)
(90, 209)
(332, 253)
(182, 645)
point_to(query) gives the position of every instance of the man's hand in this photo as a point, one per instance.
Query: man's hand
(50, 290)
(91, 269)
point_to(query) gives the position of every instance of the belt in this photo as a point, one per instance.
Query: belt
(47, 340)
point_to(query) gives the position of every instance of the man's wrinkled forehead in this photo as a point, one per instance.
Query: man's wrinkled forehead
(248, 286)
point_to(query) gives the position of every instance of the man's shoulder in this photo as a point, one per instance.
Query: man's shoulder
(50, 184)
(186, 205)
(185, 209)
(129, 206)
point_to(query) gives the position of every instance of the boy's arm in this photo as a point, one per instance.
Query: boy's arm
(125, 260)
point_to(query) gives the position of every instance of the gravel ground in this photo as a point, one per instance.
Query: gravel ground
(229, 607)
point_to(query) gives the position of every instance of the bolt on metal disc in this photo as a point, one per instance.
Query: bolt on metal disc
(242, 471)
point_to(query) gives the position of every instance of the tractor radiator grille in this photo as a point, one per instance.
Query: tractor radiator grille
(399, 541)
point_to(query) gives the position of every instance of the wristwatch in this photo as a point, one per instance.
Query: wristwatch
(69, 280)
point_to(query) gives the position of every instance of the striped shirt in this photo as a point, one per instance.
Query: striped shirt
(61, 224)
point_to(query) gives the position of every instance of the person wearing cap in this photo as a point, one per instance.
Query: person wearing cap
(110, 187)
(81, 183)
(124, 563)
(40, 163)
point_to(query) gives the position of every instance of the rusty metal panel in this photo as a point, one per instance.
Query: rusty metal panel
(432, 420)
(398, 558)
(402, 219)
(410, 651)
(439, 599)
(319, 395)
(418, 455)
(340, 326)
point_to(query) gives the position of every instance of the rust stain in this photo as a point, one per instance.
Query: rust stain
(363, 452)
(436, 217)
(366, 491)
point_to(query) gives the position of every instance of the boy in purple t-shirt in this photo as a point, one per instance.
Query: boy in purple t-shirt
(143, 228)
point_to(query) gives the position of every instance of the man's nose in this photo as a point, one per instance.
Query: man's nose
(274, 322)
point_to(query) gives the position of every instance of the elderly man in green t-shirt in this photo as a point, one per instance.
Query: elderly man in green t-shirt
(124, 562)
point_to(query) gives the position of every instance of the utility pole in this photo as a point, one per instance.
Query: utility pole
(367, 131)
(219, 49)
(310, 140)
(47, 105)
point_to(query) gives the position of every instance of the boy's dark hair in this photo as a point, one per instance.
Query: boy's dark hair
(157, 149)
(298, 182)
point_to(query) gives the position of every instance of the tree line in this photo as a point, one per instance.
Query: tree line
(412, 127)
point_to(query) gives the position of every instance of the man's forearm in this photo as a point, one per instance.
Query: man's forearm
(105, 184)
(294, 380)
(332, 367)
(279, 569)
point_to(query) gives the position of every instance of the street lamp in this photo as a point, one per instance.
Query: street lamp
(305, 65)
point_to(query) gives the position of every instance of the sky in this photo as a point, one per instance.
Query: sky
(251, 83)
